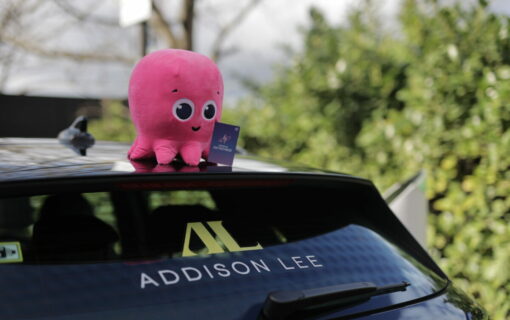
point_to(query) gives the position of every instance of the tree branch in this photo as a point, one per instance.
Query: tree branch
(49, 53)
(163, 27)
(5, 66)
(187, 18)
(217, 51)
(84, 15)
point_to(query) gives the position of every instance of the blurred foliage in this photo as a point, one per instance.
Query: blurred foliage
(103, 208)
(183, 197)
(115, 123)
(380, 104)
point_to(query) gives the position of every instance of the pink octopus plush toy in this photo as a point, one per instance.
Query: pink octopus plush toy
(175, 97)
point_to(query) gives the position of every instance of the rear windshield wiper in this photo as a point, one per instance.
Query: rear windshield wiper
(282, 304)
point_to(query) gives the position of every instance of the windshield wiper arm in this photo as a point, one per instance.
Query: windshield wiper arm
(281, 304)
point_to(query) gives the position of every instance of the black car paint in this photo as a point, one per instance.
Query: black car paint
(30, 166)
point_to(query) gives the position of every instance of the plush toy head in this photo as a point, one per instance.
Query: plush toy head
(175, 97)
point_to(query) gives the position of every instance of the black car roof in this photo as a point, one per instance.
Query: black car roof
(23, 159)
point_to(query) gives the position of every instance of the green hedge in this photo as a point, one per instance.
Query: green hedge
(114, 124)
(432, 94)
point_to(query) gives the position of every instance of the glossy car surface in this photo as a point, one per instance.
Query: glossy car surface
(114, 239)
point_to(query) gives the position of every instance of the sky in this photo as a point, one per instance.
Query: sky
(271, 26)
(258, 41)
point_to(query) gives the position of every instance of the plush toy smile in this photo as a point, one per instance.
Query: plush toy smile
(168, 90)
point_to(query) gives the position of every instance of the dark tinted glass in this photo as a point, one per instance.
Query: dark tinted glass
(192, 254)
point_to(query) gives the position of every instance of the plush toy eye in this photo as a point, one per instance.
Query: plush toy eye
(183, 109)
(209, 110)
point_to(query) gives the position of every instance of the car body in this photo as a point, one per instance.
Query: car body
(100, 237)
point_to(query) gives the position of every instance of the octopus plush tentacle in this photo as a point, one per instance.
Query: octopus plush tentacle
(140, 151)
(165, 151)
(191, 153)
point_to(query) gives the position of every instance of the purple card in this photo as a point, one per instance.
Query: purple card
(223, 143)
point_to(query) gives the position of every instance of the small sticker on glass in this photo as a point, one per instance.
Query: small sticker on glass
(10, 252)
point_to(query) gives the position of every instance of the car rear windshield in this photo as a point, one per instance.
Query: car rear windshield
(215, 253)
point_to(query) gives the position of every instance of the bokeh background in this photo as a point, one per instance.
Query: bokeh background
(378, 89)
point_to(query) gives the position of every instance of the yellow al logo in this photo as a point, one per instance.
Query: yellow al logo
(213, 245)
